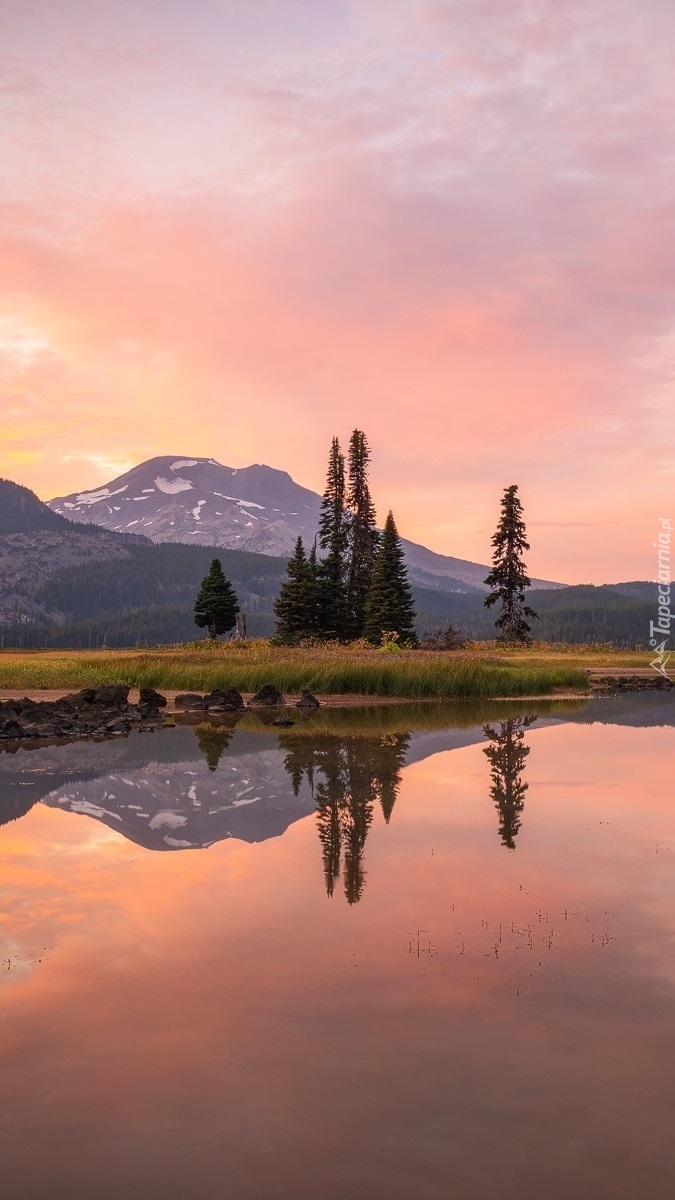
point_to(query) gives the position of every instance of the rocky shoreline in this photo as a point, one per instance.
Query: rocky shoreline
(106, 711)
(630, 683)
(89, 712)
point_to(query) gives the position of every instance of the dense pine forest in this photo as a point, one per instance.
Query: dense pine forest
(150, 600)
(616, 614)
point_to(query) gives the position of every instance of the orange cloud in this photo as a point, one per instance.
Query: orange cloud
(449, 229)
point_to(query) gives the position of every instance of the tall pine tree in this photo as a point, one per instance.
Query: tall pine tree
(363, 536)
(216, 605)
(334, 540)
(389, 605)
(296, 606)
(508, 578)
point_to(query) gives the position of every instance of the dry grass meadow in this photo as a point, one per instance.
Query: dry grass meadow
(481, 671)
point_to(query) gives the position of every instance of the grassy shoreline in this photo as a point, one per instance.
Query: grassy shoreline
(330, 670)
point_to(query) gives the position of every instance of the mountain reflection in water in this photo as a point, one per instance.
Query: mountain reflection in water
(192, 786)
(197, 784)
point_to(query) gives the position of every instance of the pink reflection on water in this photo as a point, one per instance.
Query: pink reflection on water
(211, 1023)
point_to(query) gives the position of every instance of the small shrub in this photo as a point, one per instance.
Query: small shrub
(389, 642)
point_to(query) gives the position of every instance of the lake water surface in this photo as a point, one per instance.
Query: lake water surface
(405, 953)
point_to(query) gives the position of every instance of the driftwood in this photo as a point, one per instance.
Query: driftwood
(239, 634)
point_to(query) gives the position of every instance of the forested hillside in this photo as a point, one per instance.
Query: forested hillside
(148, 600)
(160, 577)
(22, 512)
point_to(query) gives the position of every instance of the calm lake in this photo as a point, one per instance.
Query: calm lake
(407, 952)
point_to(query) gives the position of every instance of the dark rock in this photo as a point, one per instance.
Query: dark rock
(189, 702)
(111, 695)
(308, 701)
(79, 700)
(118, 725)
(149, 698)
(283, 721)
(150, 702)
(225, 700)
(10, 728)
(45, 729)
(100, 711)
(268, 696)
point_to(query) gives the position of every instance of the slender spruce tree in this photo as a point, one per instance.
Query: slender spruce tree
(332, 570)
(508, 578)
(363, 536)
(216, 605)
(296, 606)
(389, 605)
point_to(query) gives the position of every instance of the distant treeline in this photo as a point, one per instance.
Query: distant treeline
(148, 600)
(618, 614)
(159, 577)
(136, 627)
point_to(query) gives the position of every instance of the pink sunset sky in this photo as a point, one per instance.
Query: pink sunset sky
(233, 228)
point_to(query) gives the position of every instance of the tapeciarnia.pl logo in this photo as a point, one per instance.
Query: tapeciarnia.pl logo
(661, 627)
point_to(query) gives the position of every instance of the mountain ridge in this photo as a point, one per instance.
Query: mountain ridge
(256, 508)
(36, 543)
(81, 585)
(21, 511)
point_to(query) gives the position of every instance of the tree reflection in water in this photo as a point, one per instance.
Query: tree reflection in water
(213, 741)
(506, 754)
(347, 777)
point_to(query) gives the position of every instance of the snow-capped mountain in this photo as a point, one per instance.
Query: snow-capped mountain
(186, 807)
(256, 508)
(199, 501)
(159, 791)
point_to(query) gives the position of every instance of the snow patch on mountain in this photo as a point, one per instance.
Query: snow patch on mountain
(244, 503)
(171, 487)
(170, 820)
(94, 497)
(88, 809)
